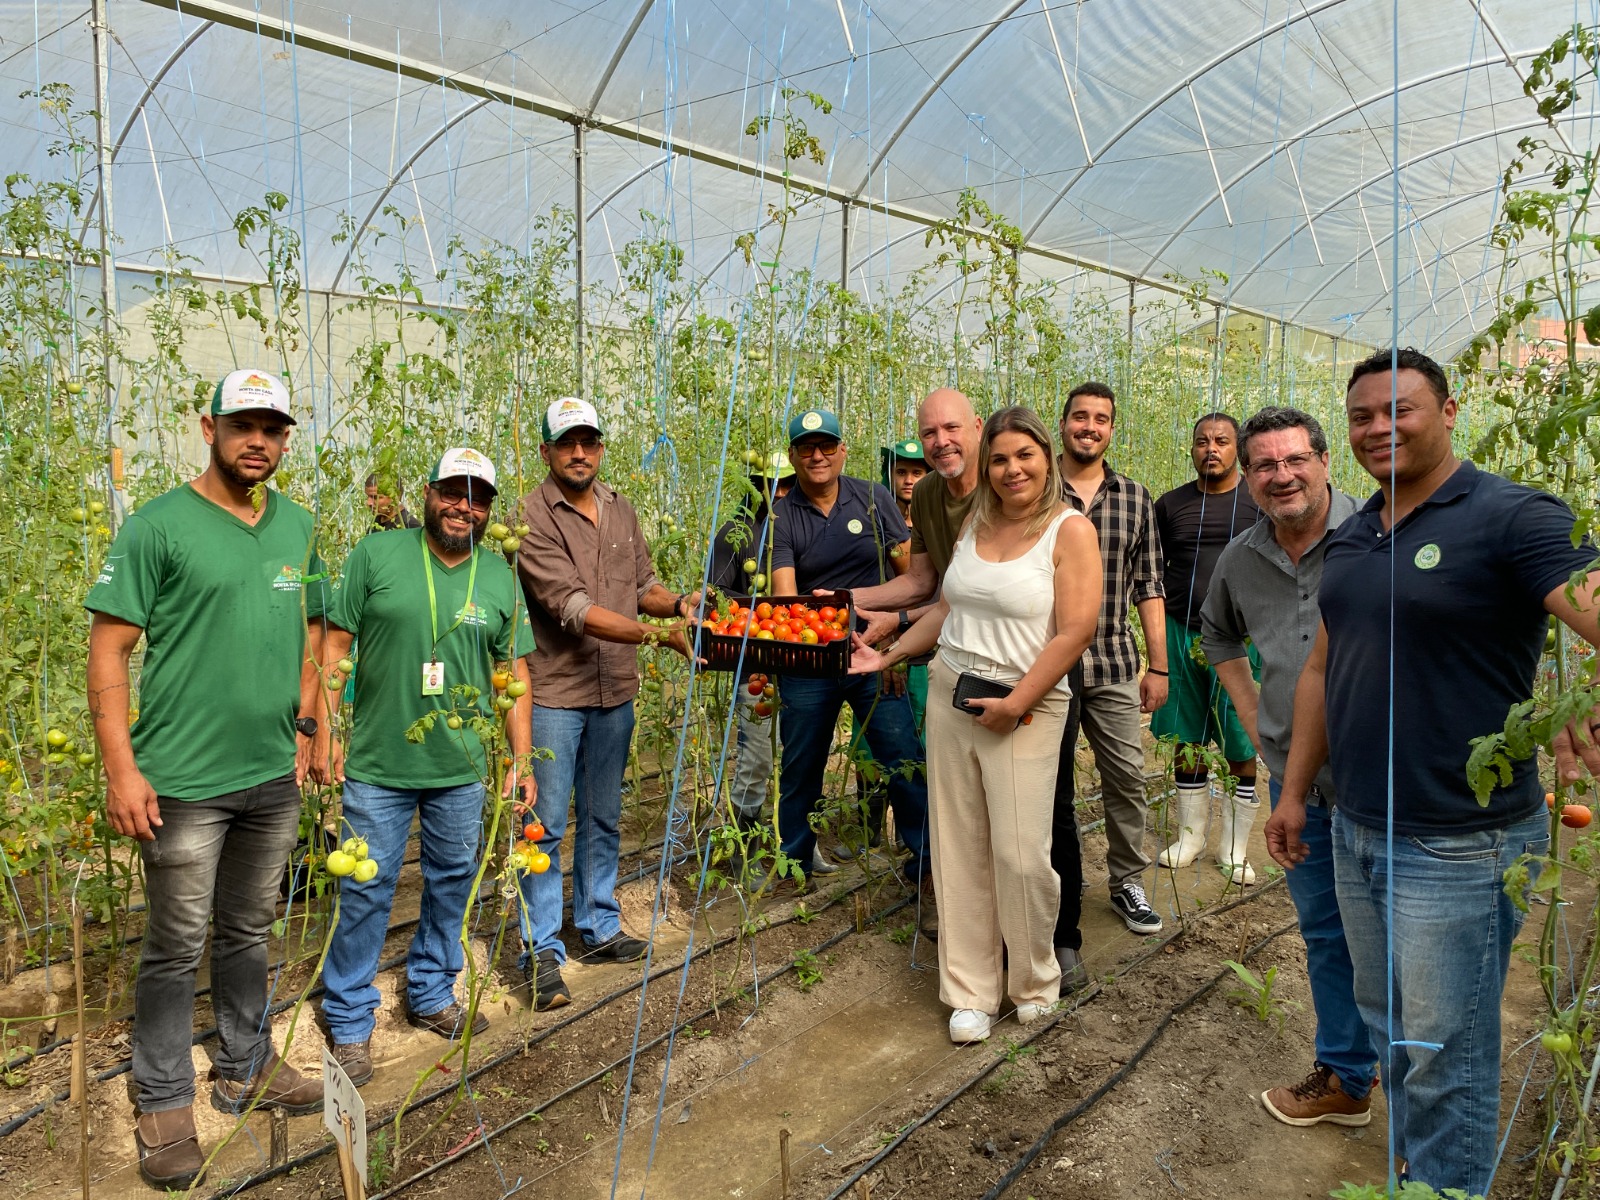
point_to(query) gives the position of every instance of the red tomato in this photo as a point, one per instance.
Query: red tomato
(755, 686)
(828, 613)
(533, 831)
(763, 709)
(764, 611)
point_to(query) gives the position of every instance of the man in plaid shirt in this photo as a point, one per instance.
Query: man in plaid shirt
(1114, 692)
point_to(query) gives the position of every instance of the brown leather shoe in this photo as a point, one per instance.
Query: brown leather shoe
(1317, 1098)
(449, 1021)
(276, 1085)
(169, 1151)
(356, 1060)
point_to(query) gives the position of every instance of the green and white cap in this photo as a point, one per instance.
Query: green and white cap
(775, 465)
(462, 462)
(569, 412)
(249, 390)
(910, 449)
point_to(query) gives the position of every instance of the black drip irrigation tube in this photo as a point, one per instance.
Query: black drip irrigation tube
(387, 964)
(522, 1047)
(1078, 1002)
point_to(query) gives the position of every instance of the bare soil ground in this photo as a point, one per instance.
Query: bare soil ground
(836, 1060)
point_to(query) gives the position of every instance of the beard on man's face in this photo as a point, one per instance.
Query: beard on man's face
(452, 543)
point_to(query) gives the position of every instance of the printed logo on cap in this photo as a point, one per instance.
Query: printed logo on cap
(812, 420)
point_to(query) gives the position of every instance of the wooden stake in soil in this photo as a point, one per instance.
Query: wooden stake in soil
(349, 1176)
(783, 1160)
(279, 1151)
(80, 1079)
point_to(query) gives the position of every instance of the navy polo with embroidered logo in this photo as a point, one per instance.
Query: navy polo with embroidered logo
(1470, 566)
(842, 549)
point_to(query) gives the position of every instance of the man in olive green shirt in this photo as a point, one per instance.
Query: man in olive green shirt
(436, 617)
(219, 577)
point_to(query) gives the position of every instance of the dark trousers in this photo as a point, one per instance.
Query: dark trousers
(1066, 853)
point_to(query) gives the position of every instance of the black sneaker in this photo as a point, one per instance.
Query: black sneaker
(542, 978)
(618, 948)
(1135, 911)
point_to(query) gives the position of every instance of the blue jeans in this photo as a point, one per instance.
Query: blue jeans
(1343, 1045)
(1452, 928)
(753, 773)
(590, 748)
(808, 712)
(214, 862)
(452, 820)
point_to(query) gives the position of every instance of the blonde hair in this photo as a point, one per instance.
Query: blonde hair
(986, 502)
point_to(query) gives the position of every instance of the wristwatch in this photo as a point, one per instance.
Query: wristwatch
(905, 620)
(306, 726)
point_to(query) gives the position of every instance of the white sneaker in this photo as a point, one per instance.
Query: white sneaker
(1027, 1014)
(969, 1025)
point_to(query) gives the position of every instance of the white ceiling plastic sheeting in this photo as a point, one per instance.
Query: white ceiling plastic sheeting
(1155, 139)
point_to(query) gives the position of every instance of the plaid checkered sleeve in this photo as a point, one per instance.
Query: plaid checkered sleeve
(1130, 548)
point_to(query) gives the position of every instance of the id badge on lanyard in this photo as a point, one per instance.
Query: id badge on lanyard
(433, 671)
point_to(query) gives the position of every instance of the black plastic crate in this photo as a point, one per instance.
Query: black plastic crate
(819, 660)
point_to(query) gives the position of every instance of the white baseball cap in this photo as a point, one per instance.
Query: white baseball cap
(569, 412)
(462, 461)
(249, 389)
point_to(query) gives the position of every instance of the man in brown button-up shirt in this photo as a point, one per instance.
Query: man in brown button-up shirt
(586, 573)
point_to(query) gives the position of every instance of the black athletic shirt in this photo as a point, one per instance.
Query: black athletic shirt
(1194, 527)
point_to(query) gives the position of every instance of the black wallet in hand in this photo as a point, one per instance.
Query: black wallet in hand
(976, 687)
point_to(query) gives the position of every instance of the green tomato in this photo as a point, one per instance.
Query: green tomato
(498, 532)
(86, 760)
(504, 703)
(516, 688)
(520, 530)
(452, 722)
(345, 666)
(74, 387)
(1558, 1043)
(96, 507)
(511, 545)
(366, 870)
(651, 685)
(759, 582)
(80, 515)
(750, 566)
(55, 738)
(752, 458)
(341, 863)
(355, 847)
(55, 758)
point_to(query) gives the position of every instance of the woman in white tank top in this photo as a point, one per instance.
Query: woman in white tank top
(1018, 607)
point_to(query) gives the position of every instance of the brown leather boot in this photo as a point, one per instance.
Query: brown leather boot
(275, 1085)
(169, 1151)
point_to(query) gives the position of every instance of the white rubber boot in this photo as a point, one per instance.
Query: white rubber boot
(1238, 816)
(1190, 808)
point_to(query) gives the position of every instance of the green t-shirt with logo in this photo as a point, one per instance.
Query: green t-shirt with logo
(382, 598)
(225, 633)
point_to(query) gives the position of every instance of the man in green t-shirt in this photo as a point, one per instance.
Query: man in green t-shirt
(436, 616)
(220, 578)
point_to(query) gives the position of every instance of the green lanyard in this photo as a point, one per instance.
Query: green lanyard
(433, 603)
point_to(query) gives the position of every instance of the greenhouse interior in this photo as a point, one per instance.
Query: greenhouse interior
(726, 238)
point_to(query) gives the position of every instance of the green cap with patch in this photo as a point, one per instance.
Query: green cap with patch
(776, 466)
(818, 422)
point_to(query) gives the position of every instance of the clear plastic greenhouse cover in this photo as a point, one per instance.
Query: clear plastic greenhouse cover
(1252, 145)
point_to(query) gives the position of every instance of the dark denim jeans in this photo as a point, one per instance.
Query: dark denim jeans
(1452, 927)
(808, 713)
(452, 819)
(590, 748)
(1066, 848)
(216, 862)
(1343, 1045)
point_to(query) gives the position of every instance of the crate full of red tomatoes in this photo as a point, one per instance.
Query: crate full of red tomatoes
(779, 635)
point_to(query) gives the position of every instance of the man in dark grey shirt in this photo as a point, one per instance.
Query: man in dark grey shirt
(1264, 588)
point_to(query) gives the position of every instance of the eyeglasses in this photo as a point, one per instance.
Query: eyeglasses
(478, 501)
(817, 449)
(567, 445)
(1266, 468)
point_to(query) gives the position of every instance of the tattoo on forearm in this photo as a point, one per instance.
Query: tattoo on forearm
(95, 710)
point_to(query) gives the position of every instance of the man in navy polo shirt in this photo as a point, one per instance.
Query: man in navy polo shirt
(835, 531)
(1435, 600)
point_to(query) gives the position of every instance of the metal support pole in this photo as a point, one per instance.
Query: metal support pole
(1127, 381)
(580, 249)
(108, 269)
(844, 286)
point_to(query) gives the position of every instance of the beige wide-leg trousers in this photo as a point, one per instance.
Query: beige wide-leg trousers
(990, 799)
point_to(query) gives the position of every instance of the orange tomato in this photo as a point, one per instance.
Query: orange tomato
(1575, 816)
(764, 611)
(1550, 800)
